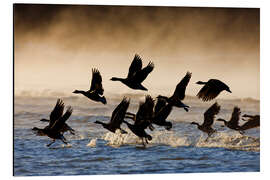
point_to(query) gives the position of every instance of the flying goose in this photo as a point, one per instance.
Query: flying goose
(233, 123)
(209, 116)
(252, 122)
(96, 90)
(179, 93)
(136, 74)
(56, 113)
(144, 115)
(211, 89)
(161, 112)
(117, 117)
(57, 121)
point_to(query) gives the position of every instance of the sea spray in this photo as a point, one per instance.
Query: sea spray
(92, 143)
(220, 139)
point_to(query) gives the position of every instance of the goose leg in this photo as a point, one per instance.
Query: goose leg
(123, 131)
(146, 140)
(151, 127)
(143, 143)
(53, 141)
(242, 132)
(186, 109)
(63, 139)
(72, 131)
(209, 135)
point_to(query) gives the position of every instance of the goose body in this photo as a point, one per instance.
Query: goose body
(211, 89)
(64, 129)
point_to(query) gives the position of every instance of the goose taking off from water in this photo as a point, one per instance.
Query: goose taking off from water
(233, 123)
(96, 90)
(252, 122)
(139, 131)
(56, 113)
(57, 121)
(144, 115)
(179, 93)
(136, 74)
(209, 116)
(161, 112)
(117, 117)
(211, 89)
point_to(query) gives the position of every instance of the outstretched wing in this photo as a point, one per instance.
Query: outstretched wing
(96, 84)
(210, 90)
(141, 75)
(58, 125)
(119, 113)
(135, 66)
(234, 121)
(161, 102)
(181, 87)
(57, 112)
(118, 107)
(209, 115)
(252, 122)
(163, 113)
(145, 112)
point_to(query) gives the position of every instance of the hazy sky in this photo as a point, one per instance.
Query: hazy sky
(56, 47)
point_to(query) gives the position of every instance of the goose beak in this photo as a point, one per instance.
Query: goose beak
(229, 91)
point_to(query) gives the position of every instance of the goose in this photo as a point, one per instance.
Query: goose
(96, 90)
(179, 93)
(55, 114)
(233, 123)
(161, 112)
(57, 122)
(252, 122)
(117, 117)
(144, 115)
(209, 116)
(139, 131)
(211, 89)
(136, 74)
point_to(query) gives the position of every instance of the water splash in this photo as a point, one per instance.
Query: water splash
(173, 139)
(92, 143)
(66, 145)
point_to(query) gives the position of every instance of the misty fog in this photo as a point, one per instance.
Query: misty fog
(56, 46)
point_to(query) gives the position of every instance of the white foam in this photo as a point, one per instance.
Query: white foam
(118, 139)
(66, 145)
(232, 140)
(92, 142)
